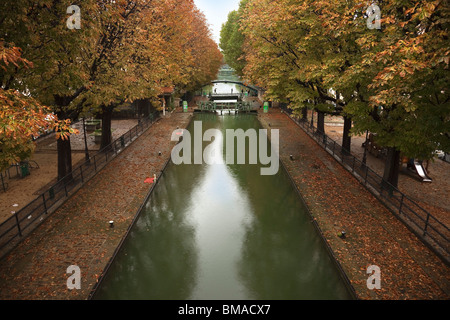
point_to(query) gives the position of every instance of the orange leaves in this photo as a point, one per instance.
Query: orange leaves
(11, 55)
(22, 118)
(63, 129)
(160, 43)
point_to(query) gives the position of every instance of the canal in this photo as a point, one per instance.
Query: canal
(223, 232)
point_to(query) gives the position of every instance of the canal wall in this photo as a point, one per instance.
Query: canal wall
(374, 237)
(79, 233)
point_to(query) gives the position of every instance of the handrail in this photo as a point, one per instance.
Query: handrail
(12, 231)
(428, 228)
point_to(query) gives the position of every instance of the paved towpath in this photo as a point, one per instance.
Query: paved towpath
(338, 202)
(78, 233)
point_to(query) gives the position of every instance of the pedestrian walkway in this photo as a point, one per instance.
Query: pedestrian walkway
(78, 233)
(23, 190)
(338, 202)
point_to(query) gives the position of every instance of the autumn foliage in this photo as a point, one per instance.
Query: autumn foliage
(22, 118)
(323, 55)
(123, 51)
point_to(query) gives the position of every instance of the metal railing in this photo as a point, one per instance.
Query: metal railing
(219, 106)
(428, 228)
(29, 217)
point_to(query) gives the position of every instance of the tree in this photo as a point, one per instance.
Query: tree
(288, 54)
(124, 51)
(232, 40)
(408, 98)
(323, 55)
(22, 118)
(145, 46)
(57, 53)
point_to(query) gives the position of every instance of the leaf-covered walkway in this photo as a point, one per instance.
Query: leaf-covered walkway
(78, 233)
(338, 202)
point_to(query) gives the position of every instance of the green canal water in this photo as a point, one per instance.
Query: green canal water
(223, 232)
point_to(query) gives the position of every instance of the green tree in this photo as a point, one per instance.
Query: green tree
(124, 51)
(407, 96)
(323, 55)
(39, 28)
(144, 47)
(232, 40)
(22, 118)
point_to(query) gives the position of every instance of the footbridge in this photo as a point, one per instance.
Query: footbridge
(236, 107)
(235, 82)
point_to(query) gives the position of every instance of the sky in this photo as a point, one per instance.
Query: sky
(216, 12)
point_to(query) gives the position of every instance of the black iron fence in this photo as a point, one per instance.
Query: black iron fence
(428, 228)
(29, 217)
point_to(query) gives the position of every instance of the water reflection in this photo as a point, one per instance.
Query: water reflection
(217, 88)
(159, 259)
(226, 88)
(223, 232)
(279, 239)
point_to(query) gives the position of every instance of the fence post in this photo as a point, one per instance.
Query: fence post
(401, 204)
(45, 205)
(65, 189)
(95, 164)
(51, 193)
(18, 224)
(81, 174)
(426, 224)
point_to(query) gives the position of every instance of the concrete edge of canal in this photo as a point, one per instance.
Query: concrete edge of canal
(316, 225)
(133, 222)
(77, 233)
(410, 270)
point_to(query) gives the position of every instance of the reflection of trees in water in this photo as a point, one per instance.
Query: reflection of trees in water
(282, 255)
(226, 75)
(159, 258)
(240, 121)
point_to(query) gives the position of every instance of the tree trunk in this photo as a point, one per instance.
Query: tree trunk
(346, 138)
(392, 167)
(143, 107)
(64, 158)
(304, 113)
(63, 147)
(321, 122)
(106, 127)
